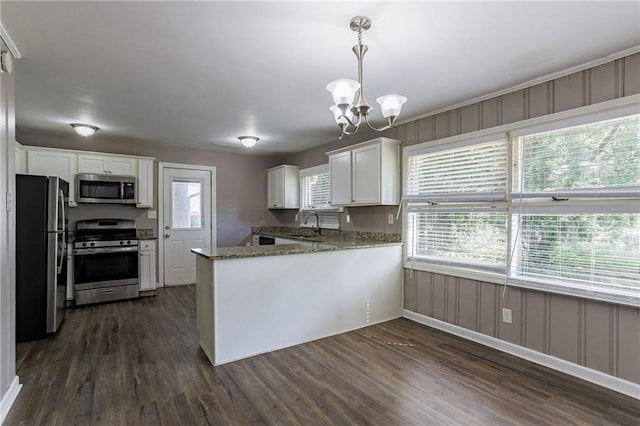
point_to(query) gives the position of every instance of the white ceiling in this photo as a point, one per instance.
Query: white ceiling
(199, 74)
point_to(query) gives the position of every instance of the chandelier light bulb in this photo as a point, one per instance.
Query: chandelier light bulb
(84, 130)
(391, 105)
(343, 91)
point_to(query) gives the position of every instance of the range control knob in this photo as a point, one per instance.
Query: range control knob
(84, 244)
(128, 243)
(121, 243)
(92, 244)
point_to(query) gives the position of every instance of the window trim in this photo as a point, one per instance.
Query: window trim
(588, 200)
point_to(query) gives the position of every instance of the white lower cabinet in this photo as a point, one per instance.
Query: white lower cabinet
(147, 264)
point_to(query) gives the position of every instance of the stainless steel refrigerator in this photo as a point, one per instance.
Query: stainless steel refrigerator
(41, 260)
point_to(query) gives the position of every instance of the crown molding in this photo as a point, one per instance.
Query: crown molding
(4, 35)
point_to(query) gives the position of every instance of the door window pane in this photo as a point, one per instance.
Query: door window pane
(186, 199)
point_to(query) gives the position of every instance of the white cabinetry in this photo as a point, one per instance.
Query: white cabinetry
(21, 159)
(54, 162)
(107, 164)
(340, 178)
(145, 183)
(366, 174)
(283, 187)
(147, 264)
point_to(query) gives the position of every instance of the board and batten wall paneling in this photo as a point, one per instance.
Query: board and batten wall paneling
(600, 336)
(592, 334)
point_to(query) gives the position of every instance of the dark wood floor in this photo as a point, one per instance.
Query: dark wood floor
(139, 363)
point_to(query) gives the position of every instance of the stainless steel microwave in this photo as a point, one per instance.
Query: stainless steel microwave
(94, 188)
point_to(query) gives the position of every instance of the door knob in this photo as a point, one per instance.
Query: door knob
(166, 235)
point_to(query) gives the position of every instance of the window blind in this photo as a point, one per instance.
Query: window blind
(571, 223)
(595, 251)
(314, 188)
(314, 196)
(456, 237)
(470, 173)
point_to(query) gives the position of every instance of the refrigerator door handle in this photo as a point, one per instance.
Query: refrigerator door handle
(62, 254)
(64, 220)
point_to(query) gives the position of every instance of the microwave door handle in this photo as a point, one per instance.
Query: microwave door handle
(122, 191)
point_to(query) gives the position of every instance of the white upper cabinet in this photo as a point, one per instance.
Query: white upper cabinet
(54, 162)
(145, 183)
(107, 164)
(66, 164)
(366, 174)
(283, 187)
(340, 179)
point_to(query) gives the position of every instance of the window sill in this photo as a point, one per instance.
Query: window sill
(499, 279)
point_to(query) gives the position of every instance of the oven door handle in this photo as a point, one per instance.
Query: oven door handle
(103, 250)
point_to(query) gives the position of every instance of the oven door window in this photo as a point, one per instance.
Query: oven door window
(91, 268)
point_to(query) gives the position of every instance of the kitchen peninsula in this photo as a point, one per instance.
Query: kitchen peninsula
(257, 299)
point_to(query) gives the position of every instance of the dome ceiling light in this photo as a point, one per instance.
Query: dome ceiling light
(84, 130)
(248, 141)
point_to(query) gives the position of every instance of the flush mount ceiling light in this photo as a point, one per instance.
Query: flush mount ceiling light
(350, 112)
(248, 141)
(85, 130)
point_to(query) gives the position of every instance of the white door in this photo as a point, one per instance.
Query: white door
(187, 221)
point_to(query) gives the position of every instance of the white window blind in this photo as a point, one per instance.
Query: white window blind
(570, 224)
(459, 237)
(468, 173)
(594, 251)
(314, 188)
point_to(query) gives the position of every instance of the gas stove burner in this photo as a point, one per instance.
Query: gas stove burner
(105, 233)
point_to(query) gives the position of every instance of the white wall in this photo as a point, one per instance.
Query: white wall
(9, 385)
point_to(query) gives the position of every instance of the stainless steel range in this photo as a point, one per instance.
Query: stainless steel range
(105, 259)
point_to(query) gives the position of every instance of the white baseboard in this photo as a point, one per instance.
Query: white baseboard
(605, 380)
(9, 398)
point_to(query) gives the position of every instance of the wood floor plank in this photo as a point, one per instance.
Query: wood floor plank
(138, 362)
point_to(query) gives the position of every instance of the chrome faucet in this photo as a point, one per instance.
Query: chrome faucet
(317, 228)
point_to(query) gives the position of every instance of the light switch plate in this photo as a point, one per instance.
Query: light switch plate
(506, 316)
(390, 218)
(152, 214)
(348, 218)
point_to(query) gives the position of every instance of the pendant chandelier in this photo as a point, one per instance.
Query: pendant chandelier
(351, 111)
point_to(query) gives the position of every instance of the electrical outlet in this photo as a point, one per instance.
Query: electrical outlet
(152, 214)
(348, 218)
(506, 316)
(390, 218)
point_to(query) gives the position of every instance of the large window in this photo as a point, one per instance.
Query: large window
(569, 221)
